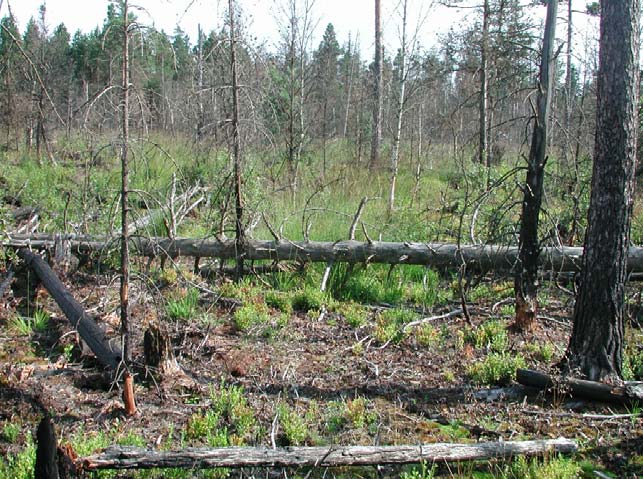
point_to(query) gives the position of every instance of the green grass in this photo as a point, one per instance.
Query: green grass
(26, 326)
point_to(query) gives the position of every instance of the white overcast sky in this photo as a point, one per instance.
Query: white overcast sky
(347, 16)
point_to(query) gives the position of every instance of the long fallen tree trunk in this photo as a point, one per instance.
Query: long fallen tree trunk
(106, 352)
(123, 457)
(438, 255)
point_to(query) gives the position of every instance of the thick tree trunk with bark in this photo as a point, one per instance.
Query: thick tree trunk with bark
(124, 457)
(596, 346)
(526, 279)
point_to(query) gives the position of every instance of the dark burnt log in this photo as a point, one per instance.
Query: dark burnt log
(626, 393)
(106, 352)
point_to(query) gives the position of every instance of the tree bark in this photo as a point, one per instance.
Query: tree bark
(596, 345)
(526, 279)
(134, 458)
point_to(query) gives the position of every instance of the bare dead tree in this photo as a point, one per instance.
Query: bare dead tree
(526, 280)
(236, 147)
(378, 88)
(124, 287)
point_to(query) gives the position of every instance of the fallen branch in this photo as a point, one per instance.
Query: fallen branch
(630, 391)
(107, 353)
(450, 314)
(123, 457)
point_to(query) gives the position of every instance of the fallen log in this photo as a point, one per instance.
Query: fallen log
(630, 391)
(437, 255)
(106, 352)
(123, 457)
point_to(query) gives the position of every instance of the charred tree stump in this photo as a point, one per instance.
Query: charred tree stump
(158, 350)
(46, 466)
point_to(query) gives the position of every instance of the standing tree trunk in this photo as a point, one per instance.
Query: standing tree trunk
(378, 87)
(526, 280)
(395, 153)
(124, 289)
(236, 147)
(596, 345)
(569, 96)
(484, 87)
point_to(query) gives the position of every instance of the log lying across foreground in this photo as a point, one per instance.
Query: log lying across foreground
(438, 255)
(107, 353)
(629, 392)
(124, 457)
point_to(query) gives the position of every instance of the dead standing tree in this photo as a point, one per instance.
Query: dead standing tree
(526, 280)
(236, 147)
(378, 88)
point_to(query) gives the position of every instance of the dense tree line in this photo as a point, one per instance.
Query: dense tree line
(470, 92)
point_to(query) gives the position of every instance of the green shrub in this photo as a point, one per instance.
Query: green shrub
(390, 323)
(185, 307)
(308, 299)
(496, 368)
(279, 300)
(295, 429)
(491, 335)
(355, 315)
(250, 315)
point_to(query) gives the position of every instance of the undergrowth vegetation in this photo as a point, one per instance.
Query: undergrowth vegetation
(268, 345)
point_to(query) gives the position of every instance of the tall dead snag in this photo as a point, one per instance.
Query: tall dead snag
(124, 290)
(378, 87)
(483, 105)
(596, 345)
(236, 147)
(526, 280)
(395, 153)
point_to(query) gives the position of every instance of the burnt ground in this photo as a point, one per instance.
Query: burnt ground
(344, 385)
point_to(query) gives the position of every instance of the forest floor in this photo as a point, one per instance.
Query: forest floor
(309, 375)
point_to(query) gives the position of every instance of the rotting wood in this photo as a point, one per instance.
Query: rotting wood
(629, 391)
(107, 353)
(123, 457)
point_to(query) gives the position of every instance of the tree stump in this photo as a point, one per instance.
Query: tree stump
(46, 466)
(158, 351)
